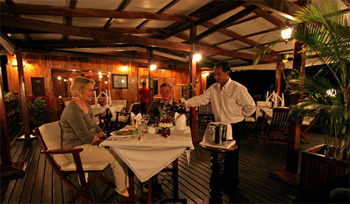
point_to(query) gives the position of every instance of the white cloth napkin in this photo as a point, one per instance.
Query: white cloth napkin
(136, 117)
(180, 121)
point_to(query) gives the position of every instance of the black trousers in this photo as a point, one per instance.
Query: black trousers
(230, 173)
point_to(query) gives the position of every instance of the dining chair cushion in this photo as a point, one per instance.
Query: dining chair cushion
(114, 109)
(123, 118)
(307, 120)
(87, 166)
(53, 130)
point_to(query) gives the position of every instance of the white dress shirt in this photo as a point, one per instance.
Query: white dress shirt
(230, 103)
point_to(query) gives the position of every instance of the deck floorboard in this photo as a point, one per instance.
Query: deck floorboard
(41, 184)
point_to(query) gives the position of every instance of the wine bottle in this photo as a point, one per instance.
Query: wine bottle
(180, 109)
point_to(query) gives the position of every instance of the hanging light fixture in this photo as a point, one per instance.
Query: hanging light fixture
(286, 33)
(197, 57)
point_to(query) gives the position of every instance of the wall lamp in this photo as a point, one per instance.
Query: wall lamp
(153, 67)
(124, 68)
(14, 62)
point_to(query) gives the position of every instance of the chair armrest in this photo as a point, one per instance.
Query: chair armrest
(99, 115)
(63, 151)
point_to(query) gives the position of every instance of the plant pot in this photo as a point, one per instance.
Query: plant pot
(318, 171)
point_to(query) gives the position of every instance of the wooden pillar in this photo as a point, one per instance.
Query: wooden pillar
(295, 125)
(193, 75)
(5, 138)
(193, 113)
(288, 173)
(278, 78)
(7, 167)
(150, 81)
(22, 90)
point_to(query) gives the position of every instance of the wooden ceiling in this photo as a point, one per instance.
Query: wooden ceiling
(127, 30)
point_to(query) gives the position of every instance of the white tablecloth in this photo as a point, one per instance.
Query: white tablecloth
(100, 109)
(149, 156)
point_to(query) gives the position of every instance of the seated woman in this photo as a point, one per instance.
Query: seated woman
(79, 129)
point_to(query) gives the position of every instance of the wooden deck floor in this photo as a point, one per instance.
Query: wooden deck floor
(41, 185)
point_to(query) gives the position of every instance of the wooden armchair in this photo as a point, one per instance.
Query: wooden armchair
(205, 114)
(49, 136)
(123, 117)
(278, 123)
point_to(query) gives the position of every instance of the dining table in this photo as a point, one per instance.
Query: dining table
(148, 154)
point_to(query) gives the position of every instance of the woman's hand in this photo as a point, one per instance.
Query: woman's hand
(102, 135)
(96, 141)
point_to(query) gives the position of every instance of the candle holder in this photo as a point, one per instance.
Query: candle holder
(165, 131)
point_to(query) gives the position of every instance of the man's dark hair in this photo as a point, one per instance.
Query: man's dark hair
(165, 84)
(225, 66)
(143, 83)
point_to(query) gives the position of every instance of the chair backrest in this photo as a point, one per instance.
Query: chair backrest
(120, 102)
(205, 110)
(264, 104)
(115, 109)
(280, 118)
(135, 108)
(50, 134)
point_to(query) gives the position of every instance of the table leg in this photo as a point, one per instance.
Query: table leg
(216, 180)
(131, 190)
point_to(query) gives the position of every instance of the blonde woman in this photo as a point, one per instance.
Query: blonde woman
(79, 129)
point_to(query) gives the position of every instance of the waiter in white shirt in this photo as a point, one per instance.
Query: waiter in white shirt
(230, 102)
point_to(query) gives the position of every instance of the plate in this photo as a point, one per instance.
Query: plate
(126, 132)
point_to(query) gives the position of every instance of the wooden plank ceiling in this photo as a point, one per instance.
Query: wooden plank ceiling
(127, 29)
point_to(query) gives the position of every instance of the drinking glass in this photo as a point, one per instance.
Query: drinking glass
(133, 123)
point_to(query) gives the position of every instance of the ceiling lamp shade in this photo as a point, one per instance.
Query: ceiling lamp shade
(287, 33)
(197, 57)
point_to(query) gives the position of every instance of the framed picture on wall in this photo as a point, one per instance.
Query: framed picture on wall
(120, 81)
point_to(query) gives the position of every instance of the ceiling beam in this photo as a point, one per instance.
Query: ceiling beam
(120, 8)
(85, 12)
(13, 21)
(239, 37)
(68, 19)
(283, 8)
(226, 23)
(205, 13)
(169, 5)
(99, 56)
(6, 44)
(271, 18)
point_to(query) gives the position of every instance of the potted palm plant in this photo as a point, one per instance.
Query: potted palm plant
(324, 30)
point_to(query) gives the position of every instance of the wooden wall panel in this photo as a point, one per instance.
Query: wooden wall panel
(42, 65)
